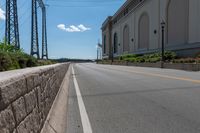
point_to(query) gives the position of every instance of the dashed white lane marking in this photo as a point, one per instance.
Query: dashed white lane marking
(84, 116)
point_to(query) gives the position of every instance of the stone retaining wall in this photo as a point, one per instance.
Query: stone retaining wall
(26, 97)
(179, 66)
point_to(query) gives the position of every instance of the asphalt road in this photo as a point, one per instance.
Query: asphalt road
(121, 99)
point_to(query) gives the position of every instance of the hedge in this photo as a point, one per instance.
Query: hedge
(152, 58)
(18, 60)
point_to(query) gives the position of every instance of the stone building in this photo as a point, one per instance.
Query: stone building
(136, 27)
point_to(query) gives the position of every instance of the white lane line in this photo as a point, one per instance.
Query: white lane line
(84, 116)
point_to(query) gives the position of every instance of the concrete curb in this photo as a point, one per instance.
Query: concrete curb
(56, 121)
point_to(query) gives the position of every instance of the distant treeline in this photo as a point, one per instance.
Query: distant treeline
(61, 60)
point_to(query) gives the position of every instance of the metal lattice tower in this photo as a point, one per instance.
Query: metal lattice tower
(34, 31)
(34, 35)
(44, 35)
(11, 28)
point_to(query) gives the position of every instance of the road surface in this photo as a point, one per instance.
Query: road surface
(121, 99)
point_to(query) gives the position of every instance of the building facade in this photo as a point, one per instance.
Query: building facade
(136, 27)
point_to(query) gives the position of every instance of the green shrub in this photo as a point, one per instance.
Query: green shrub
(31, 62)
(22, 60)
(11, 58)
(120, 58)
(170, 55)
(152, 58)
(5, 61)
(125, 56)
(45, 62)
(9, 48)
(15, 63)
(132, 60)
(186, 60)
(140, 59)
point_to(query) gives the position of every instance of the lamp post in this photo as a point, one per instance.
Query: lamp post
(99, 51)
(163, 43)
(112, 56)
(97, 54)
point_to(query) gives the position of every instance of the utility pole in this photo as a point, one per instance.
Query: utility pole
(11, 26)
(34, 31)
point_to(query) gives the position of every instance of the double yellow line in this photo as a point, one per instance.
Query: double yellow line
(165, 76)
(158, 75)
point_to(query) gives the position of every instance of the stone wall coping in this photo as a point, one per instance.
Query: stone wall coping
(10, 76)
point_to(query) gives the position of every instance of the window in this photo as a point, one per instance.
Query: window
(126, 39)
(177, 22)
(115, 48)
(104, 44)
(144, 31)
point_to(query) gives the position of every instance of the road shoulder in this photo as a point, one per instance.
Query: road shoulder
(57, 118)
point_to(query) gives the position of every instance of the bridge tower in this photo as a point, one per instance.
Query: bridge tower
(44, 34)
(34, 31)
(11, 26)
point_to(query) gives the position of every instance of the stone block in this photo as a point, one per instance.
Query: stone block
(7, 121)
(4, 130)
(44, 82)
(42, 96)
(30, 82)
(15, 131)
(42, 110)
(48, 106)
(36, 119)
(30, 100)
(2, 104)
(50, 72)
(13, 91)
(30, 124)
(19, 109)
(39, 96)
(24, 126)
(37, 80)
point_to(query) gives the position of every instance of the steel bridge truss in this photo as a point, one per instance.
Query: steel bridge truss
(34, 30)
(11, 26)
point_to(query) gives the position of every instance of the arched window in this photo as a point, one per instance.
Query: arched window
(126, 39)
(144, 31)
(104, 44)
(115, 47)
(177, 22)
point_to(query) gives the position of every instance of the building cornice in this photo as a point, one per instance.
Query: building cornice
(121, 9)
(106, 22)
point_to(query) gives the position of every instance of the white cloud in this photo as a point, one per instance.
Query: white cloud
(73, 28)
(83, 28)
(61, 26)
(2, 14)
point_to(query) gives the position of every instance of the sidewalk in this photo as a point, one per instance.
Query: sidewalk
(57, 118)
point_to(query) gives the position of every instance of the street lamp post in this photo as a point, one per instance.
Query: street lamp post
(112, 56)
(163, 44)
(97, 55)
(99, 52)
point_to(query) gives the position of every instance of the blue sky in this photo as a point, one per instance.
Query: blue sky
(73, 25)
